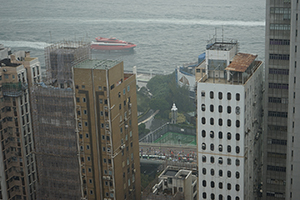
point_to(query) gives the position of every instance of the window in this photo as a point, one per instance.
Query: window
(203, 133)
(237, 136)
(220, 109)
(204, 195)
(228, 136)
(204, 171)
(228, 148)
(203, 94)
(220, 148)
(203, 120)
(220, 197)
(220, 122)
(212, 159)
(83, 99)
(220, 95)
(220, 135)
(212, 196)
(203, 158)
(211, 94)
(237, 162)
(237, 96)
(212, 147)
(128, 88)
(237, 175)
(237, 123)
(212, 172)
(220, 173)
(204, 183)
(229, 122)
(212, 121)
(237, 149)
(228, 186)
(212, 134)
(211, 108)
(237, 110)
(237, 187)
(212, 184)
(228, 109)
(228, 161)
(203, 146)
(203, 107)
(220, 160)
(228, 96)
(220, 185)
(124, 91)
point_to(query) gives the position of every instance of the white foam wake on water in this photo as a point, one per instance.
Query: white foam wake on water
(181, 22)
(28, 44)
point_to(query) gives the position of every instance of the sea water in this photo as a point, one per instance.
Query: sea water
(168, 33)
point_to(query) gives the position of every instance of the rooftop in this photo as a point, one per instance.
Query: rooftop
(170, 172)
(241, 62)
(7, 63)
(97, 64)
(235, 79)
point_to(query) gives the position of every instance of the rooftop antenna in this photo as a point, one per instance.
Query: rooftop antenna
(222, 33)
(215, 33)
(50, 37)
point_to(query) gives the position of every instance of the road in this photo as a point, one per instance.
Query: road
(168, 150)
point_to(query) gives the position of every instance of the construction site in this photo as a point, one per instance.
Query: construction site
(54, 124)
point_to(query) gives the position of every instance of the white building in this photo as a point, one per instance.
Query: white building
(176, 182)
(229, 110)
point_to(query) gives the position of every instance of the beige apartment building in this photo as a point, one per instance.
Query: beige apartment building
(18, 174)
(107, 128)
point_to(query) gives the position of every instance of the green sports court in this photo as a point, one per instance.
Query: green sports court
(176, 138)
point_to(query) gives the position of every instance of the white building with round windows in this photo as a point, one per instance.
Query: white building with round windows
(229, 118)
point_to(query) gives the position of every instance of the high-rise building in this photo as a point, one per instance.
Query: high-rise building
(108, 133)
(229, 125)
(18, 174)
(281, 163)
(54, 124)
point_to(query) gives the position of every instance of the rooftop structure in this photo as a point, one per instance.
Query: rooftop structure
(176, 180)
(4, 52)
(59, 59)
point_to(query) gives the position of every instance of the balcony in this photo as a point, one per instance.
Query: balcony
(14, 89)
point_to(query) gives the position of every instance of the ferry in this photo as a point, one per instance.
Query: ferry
(111, 44)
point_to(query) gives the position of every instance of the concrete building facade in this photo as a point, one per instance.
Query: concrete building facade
(229, 111)
(281, 163)
(107, 127)
(18, 171)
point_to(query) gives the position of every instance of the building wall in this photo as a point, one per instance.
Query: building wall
(16, 134)
(55, 143)
(277, 55)
(229, 118)
(111, 162)
(221, 141)
(293, 146)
